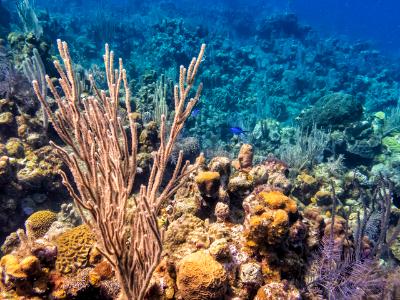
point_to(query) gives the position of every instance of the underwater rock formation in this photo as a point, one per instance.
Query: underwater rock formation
(331, 111)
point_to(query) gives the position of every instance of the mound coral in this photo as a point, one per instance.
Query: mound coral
(201, 277)
(39, 223)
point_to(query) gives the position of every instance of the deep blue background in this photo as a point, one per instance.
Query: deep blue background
(375, 20)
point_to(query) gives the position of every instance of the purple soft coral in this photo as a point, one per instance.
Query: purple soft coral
(342, 276)
(340, 272)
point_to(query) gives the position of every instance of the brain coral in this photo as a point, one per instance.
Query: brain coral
(201, 277)
(74, 247)
(39, 223)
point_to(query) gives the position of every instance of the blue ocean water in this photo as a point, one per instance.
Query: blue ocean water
(373, 20)
(271, 62)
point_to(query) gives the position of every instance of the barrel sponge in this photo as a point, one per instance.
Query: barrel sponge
(277, 200)
(74, 247)
(39, 223)
(201, 277)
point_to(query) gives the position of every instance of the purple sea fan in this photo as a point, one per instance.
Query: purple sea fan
(338, 275)
(13, 85)
(6, 74)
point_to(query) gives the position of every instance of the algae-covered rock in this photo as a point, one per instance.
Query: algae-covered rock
(148, 138)
(187, 200)
(240, 183)
(219, 249)
(185, 235)
(10, 244)
(222, 211)
(392, 144)
(333, 110)
(259, 174)
(6, 119)
(40, 170)
(15, 148)
(251, 275)
(305, 187)
(278, 291)
(222, 165)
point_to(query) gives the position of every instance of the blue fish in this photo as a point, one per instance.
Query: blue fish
(237, 130)
(195, 112)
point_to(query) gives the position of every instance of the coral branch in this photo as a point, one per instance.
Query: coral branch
(103, 164)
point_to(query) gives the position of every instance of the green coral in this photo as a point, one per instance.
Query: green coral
(392, 144)
(6, 118)
(40, 169)
(15, 148)
(380, 115)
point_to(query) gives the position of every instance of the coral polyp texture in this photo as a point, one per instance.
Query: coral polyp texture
(201, 277)
(73, 248)
(267, 167)
(39, 223)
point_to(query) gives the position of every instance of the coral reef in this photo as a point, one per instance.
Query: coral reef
(292, 199)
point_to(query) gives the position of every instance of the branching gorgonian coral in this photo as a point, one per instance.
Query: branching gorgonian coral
(353, 271)
(103, 164)
(307, 148)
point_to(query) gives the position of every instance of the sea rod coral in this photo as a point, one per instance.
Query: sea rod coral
(103, 164)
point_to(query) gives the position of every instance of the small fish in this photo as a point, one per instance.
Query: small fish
(195, 112)
(237, 130)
